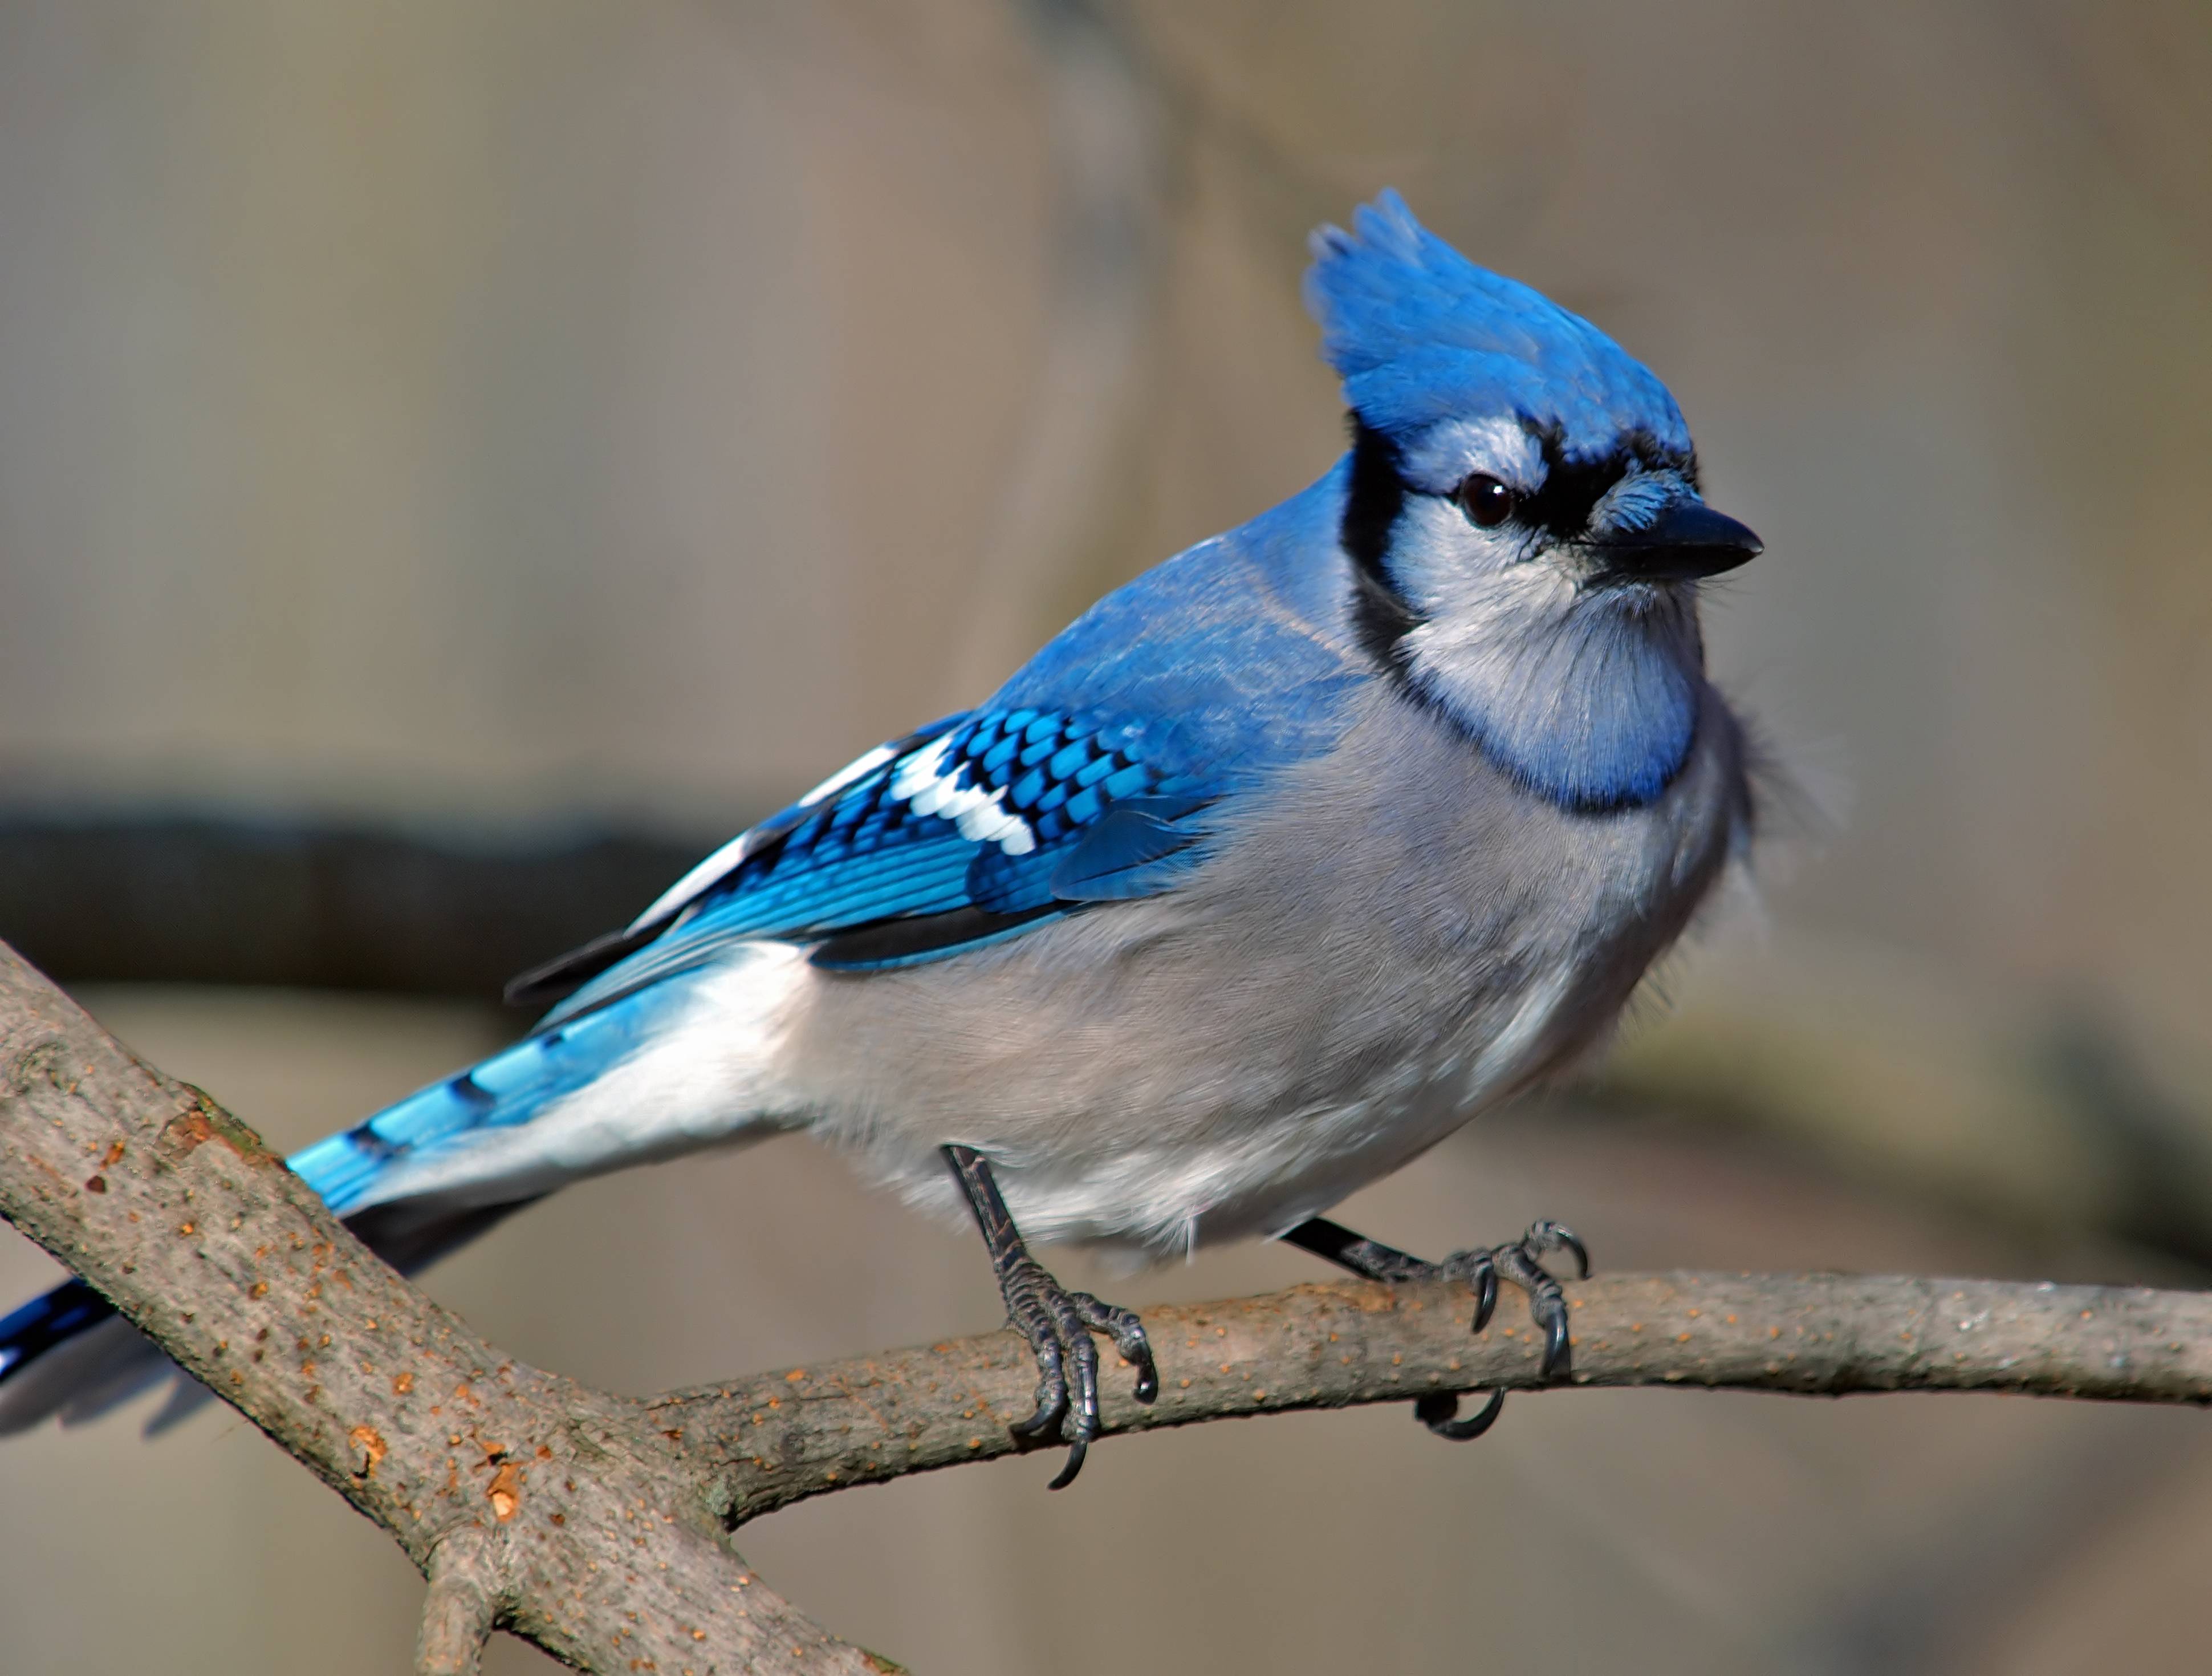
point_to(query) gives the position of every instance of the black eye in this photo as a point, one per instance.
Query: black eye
(1486, 501)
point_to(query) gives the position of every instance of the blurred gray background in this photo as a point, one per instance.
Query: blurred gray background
(474, 422)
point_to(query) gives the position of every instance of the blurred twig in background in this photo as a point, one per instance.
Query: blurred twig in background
(145, 897)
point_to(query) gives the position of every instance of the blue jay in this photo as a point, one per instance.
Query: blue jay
(1258, 881)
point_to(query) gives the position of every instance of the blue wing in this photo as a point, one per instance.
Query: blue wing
(1097, 774)
(983, 826)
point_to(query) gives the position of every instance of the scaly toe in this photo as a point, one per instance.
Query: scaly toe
(1051, 1393)
(1479, 1269)
(1547, 1304)
(1127, 1333)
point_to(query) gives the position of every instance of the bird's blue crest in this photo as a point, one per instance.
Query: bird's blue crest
(1419, 334)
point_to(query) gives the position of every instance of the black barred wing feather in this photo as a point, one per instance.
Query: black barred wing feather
(985, 826)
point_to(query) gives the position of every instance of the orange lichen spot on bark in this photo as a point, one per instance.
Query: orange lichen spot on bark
(505, 1491)
(402, 1383)
(188, 1128)
(372, 1447)
(204, 1120)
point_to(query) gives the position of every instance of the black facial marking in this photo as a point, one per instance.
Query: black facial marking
(1572, 488)
(1376, 498)
(1373, 501)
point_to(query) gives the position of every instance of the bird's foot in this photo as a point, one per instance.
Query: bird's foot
(1059, 1323)
(1520, 1261)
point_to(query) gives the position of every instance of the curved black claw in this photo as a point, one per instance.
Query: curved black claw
(1548, 1235)
(1438, 1410)
(1058, 1324)
(1479, 1269)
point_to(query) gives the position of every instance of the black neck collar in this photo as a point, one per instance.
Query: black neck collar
(1374, 497)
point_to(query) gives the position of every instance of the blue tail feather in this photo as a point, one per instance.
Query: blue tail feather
(354, 1171)
(510, 1088)
(44, 1322)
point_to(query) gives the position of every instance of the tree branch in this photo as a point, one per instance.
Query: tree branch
(597, 1525)
(575, 1511)
(780, 1437)
(460, 1608)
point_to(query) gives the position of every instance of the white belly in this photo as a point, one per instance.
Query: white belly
(1166, 1195)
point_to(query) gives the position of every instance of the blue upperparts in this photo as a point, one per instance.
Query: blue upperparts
(995, 822)
(1093, 775)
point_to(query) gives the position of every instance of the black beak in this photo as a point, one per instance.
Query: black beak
(1689, 540)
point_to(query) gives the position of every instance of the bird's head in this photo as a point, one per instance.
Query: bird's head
(1521, 512)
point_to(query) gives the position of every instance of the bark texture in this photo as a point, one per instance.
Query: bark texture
(599, 1526)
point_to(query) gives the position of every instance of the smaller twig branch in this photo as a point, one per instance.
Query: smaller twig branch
(459, 1608)
(786, 1434)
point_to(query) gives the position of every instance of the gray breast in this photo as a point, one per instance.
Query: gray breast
(1388, 939)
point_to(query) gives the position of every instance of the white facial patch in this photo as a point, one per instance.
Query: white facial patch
(1448, 453)
(925, 785)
